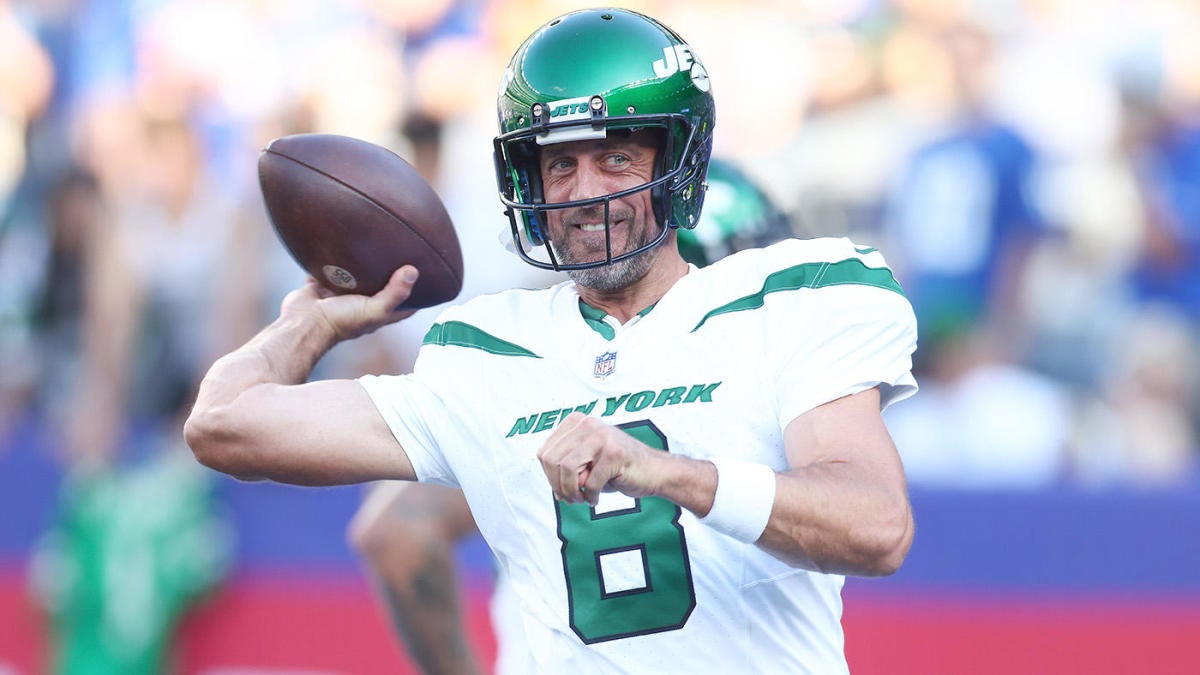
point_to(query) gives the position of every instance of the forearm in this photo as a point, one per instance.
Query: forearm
(828, 518)
(843, 506)
(283, 353)
(407, 533)
(691, 483)
(422, 598)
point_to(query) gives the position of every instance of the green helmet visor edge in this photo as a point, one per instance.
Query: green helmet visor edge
(518, 174)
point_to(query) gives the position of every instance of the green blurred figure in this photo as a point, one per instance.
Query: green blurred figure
(137, 538)
(129, 553)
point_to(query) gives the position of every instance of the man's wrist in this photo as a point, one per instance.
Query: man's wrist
(742, 502)
(312, 329)
(290, 346)
(686, 481)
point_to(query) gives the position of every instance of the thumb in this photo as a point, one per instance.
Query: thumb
(399, 287)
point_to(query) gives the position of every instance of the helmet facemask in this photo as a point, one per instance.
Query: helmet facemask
(676, 187)
(591, 75)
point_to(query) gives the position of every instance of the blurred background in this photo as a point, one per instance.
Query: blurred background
(1030, 168)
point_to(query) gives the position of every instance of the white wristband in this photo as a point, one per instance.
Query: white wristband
(742, 504)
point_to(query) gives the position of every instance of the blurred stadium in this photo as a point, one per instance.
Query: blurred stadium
(1030, 168)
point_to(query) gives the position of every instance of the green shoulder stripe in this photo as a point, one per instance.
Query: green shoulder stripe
(462, 334)
(851, 271)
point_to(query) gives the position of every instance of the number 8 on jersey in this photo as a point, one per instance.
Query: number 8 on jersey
(627, 570)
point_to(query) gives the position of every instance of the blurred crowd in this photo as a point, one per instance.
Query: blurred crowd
(1030, 168)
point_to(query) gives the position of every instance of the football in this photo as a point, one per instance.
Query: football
(351, 212)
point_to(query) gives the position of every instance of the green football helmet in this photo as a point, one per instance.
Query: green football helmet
(583, 76)
(737, 215)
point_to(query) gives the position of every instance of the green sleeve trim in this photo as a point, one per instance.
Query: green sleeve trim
(461, 334)
(851, 271)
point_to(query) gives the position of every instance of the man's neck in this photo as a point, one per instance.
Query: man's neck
(625, 303)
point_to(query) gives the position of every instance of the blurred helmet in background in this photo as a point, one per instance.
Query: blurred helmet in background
(737, 215)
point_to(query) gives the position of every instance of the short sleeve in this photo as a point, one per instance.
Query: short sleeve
(842, 340)
(411, 409)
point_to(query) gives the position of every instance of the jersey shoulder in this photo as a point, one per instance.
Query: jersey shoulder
(505, 323)
(799, 269)
(825, 253)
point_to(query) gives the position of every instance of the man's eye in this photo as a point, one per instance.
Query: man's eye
(618, 160)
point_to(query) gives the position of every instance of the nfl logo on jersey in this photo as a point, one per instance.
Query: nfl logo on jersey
(606, 363)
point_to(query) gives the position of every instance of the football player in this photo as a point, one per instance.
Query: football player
(407, 532)
(674, 467)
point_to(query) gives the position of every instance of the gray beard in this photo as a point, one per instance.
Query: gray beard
(617, 275)
(609, 277)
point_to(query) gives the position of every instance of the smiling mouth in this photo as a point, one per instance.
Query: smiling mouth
(598, 226)
(594, 238)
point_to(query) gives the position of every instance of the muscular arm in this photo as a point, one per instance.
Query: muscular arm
(407, 533)
(256, 418)
(841, 507)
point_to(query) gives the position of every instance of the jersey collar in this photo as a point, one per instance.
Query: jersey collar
(604, 324)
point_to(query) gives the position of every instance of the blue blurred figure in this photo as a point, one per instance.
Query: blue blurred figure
(960, 215)
(1169, 267)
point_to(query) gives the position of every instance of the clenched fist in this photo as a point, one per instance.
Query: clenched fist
(585, 456)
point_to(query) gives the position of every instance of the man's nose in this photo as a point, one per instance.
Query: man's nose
(589, 182)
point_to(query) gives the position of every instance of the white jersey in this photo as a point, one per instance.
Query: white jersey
(717, 368)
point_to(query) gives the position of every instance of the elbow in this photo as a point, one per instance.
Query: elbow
(403, 528)
(212, 440)
(198, 433)
(395, 546)
(888, 543)
(887, 562)
(386, 523)
(370, 536)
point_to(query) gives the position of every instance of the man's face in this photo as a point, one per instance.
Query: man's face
(586, 169)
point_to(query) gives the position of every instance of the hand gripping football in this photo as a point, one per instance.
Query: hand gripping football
(351, 212)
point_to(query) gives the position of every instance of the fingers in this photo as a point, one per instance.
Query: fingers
(581, 457)
(397, 290)
(561, 470)
(570, 470)
(352, 315)
(603, 470)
